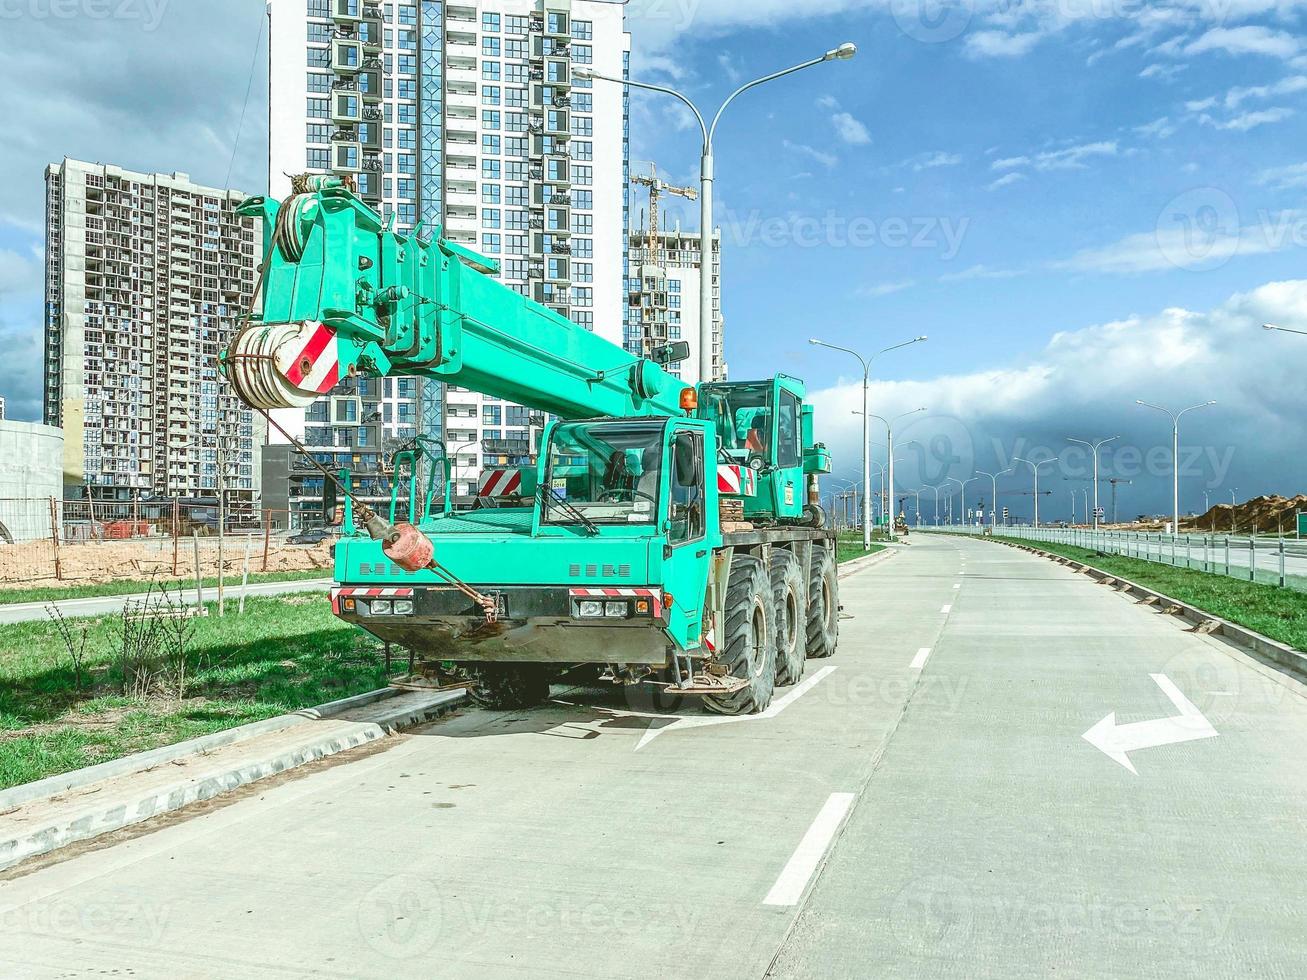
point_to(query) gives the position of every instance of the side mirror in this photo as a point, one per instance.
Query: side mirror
(673, 353)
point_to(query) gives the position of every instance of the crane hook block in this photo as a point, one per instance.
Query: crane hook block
(412, 550)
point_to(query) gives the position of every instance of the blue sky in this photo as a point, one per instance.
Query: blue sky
(1081, 203)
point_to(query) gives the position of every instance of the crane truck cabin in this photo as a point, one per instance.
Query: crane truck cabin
(668, 535)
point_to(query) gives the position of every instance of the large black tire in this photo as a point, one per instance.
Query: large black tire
(506, 687)
(823, 604)
(789, 598)
(747, 643)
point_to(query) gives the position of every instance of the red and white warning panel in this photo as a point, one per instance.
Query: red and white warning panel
(737, 481)
(500, 483)
(285, 365)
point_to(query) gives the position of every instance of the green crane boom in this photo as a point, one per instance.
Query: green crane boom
(345, 295)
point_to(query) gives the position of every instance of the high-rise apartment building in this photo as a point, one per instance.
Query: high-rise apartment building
(146, 276)
(665, 290)
(464, 119)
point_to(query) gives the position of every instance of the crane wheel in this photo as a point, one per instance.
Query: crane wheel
(505, 687)
(747, 645)
(788, 592)
(823, 604)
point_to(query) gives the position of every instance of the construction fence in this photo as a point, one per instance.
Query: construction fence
(50, 540)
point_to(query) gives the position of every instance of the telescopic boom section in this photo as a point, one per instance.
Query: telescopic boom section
(345, 296)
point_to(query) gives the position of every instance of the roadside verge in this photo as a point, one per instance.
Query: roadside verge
(41, 817)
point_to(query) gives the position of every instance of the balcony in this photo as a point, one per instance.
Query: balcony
(347, 11)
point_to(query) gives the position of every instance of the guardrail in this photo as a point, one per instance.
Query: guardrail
(1270, 561)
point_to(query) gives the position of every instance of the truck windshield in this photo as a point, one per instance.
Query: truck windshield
(604, 473)
(742, 414)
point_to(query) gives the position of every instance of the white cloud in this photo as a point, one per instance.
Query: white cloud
(1250, 120)
(885, 288)
(1000, 44)
(1285, 86)
(1164, 72)
(828, 160)
(981, 272)
(1007, 180)
(828, 102)
(936, 160)
(851, 130)
(21, 273)
(1157, 129)
(1074, 157)
(1289, 177)
(1247, 39)
(1093, 375)
(1010, 163)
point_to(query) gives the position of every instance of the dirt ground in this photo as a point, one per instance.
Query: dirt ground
(33, 564)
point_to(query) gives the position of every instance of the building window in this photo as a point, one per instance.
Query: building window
(490, 144)
(319, 109)
(490, 217)
(319, 159)
(490, 193)
(490, 47)
(583, 272)
(516, 98)
(583, 296)
(582, 126)
(584, 224)
(319, 58)
(583, 150)
(490, 71)
(490, 94)
(490, 169)
(490, 119)
(583, 30)
(491, 22)
(583, 176)
(583, 54)
(516, 24)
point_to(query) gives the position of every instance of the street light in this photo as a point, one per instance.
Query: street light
(889, 428)
(866, 363)
(1272, 326)
(1094, 447)
(993, 503)
(1035, 466)
(707, 179)
(1175, 454)
(936, 489)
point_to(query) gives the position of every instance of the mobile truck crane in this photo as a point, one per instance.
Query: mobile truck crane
(669, 534)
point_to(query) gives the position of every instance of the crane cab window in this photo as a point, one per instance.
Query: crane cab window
(789, 438)
(743, 416)
(688, 489)
(603, 473)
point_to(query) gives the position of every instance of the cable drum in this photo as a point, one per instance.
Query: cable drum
(286, 365)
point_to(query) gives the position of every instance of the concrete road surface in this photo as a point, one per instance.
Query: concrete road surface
(100, 605)
(924, 805)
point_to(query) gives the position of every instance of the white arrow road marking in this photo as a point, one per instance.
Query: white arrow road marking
(698, 721)
(1117, 740)
(796, 874)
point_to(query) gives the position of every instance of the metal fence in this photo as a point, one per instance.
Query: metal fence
(1270, 561)
(50, 540)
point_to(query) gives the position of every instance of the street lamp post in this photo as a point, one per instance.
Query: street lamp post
(936, 490)
(707, 177)
(866, 363)
(1035, 466)
(889, 428)
(1094, 448)
(1175, 454)
(1272, 326)
(918, 505)
(993, 503)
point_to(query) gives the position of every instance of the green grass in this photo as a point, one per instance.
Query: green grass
(849, 547)
(9, 597)
(1278, 613)
(286, 653)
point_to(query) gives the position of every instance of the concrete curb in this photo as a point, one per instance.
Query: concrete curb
(144, 761)
(1279, 654)
(859, 564)
(41, 825)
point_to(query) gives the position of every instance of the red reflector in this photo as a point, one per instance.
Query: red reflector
(667, 599)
